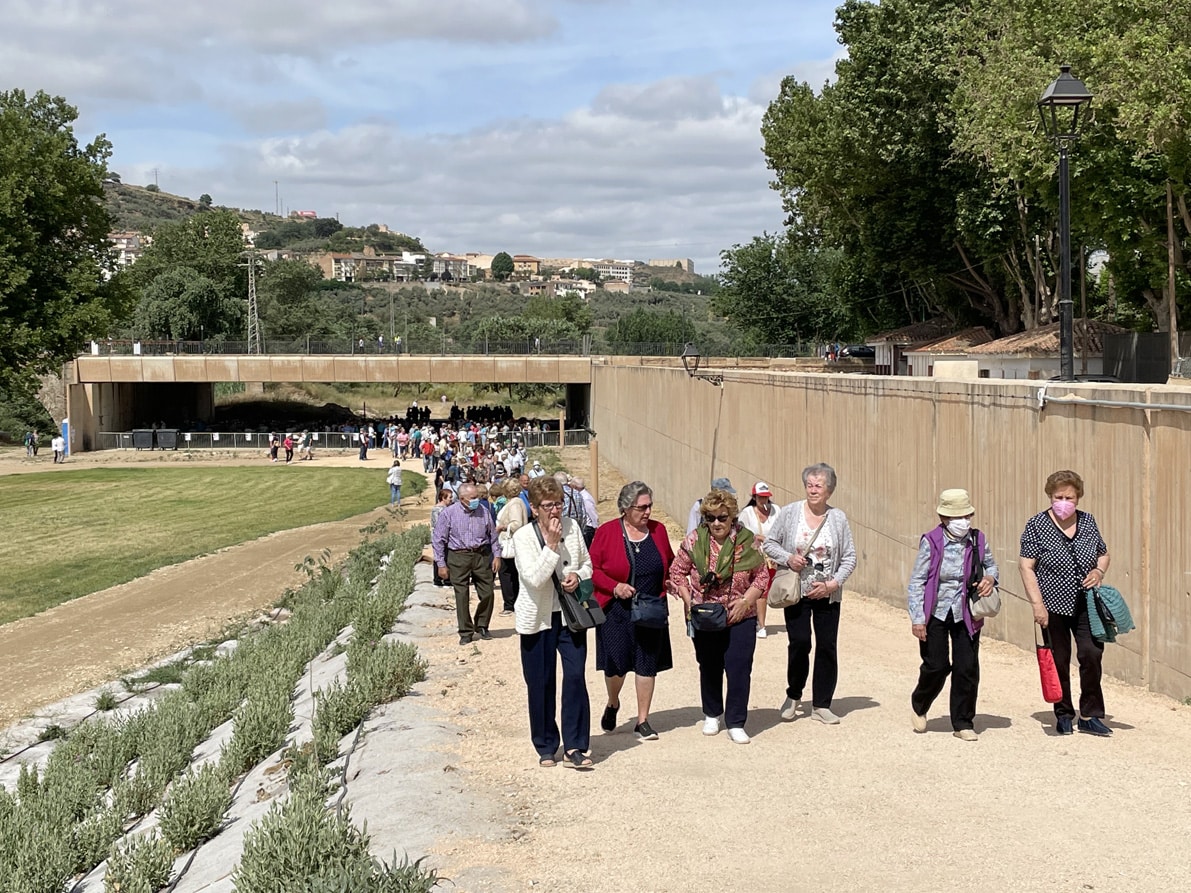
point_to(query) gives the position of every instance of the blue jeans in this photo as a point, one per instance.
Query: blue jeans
(394, 494)
(540, 668)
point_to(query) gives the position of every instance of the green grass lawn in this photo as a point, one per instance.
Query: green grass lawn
(67, 535)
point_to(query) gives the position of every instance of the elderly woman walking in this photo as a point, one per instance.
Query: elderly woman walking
(552, 557)
(630, 560)
(940, 615)
(1063, 555)
(814, 540)
(720, 575)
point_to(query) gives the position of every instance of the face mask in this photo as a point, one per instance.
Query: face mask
(959, 527)
(473, 504)
(1063, 508)
(500, 503)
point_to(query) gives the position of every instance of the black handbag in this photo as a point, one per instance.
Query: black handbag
(649, 610)
(580, 610)
(709, 617)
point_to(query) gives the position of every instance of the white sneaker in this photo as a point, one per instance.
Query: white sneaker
(824, 715)
(789, 709)
(762, 633)
(711, 725)
(966, 735)
(739, 736)
(919, 723)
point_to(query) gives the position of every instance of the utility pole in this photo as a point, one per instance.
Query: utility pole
(276, 200)
(155, 178)
(254, 321)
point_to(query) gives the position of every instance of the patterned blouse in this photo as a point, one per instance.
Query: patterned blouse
(682, 571)
(1062, 563)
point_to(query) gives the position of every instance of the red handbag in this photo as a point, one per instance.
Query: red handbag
(1052, 691)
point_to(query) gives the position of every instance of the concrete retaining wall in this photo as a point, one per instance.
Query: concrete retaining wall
(896, 442)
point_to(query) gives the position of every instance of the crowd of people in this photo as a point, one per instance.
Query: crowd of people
(541, 537)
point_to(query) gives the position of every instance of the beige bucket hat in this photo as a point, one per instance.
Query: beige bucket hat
(955, 504)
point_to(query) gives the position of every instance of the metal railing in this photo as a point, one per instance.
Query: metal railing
(324, 441)
(447, 346)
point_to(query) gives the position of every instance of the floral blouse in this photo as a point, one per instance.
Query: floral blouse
(683, 573)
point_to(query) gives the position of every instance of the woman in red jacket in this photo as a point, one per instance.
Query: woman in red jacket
(630, 560)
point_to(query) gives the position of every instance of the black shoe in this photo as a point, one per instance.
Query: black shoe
(1063, 725)
(645, 731)
(608, 720)
(1095, 727)
(483, 633)
(465, 640)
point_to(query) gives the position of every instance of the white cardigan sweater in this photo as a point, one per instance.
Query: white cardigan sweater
(536, 564)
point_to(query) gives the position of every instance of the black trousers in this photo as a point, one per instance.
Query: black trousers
(510, 583)
(824, 614)
(1088, 652)
(728, 653)
(963, 666)
(541, 653)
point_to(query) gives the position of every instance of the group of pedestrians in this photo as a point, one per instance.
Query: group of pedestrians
(722, 573)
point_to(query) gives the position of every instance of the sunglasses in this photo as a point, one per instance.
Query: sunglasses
(723, 519)
(642, 508)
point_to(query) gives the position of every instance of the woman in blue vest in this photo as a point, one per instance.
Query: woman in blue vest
(937, 598)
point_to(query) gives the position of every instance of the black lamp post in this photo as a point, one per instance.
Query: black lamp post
(691, 361)
(1063, 108)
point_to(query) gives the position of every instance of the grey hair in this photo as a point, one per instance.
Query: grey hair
(562, 477)
(629, 493)
(820, 470)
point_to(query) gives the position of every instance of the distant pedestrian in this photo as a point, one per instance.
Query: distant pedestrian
(28, 440)
(288, 443)
(363, 435)
(274, 446)
(305, 448)
(58, 443)
(394, 479)
(380, 343)
(36, 439)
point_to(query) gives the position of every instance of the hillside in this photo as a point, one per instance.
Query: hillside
(141, 209)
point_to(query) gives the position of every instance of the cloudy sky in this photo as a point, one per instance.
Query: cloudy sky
(610, 128)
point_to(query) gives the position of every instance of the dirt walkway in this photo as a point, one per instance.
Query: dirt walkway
(863, 805)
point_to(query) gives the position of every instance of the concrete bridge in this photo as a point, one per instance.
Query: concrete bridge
(116, 393)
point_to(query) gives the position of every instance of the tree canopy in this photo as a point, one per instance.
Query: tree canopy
(502, 266)
(56, 290)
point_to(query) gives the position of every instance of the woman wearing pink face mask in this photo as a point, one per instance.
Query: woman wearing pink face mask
(1062, 556)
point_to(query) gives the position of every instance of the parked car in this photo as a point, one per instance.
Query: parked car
(859, 351)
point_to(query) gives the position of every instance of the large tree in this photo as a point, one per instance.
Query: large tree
(56, 287)
(502, 266)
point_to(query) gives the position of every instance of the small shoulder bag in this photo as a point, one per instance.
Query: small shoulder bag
(650, 610)
(579, 610)
(990, 605)
(786, 590)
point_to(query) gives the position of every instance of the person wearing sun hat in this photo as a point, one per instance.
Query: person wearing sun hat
(759, 517)
(940, 616)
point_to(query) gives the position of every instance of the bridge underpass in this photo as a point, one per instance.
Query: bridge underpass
(118, 393)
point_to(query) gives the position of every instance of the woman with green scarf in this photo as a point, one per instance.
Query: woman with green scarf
(720, 576)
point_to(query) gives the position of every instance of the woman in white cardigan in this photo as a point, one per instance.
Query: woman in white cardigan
(814, 540)
(551, 554)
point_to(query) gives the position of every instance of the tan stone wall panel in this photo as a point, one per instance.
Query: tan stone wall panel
(286, 369)
(190, 369)
(92, 369)
(256, 368)
(126, 369)
(896, 442)
(318, 368)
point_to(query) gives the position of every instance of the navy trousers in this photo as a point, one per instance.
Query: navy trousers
(728, 653)
(539, 665)
(963, 666)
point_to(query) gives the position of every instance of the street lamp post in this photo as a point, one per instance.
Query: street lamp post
(690, 362)
(1063, 109)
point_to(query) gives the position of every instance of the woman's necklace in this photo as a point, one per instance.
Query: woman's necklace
(637, 543)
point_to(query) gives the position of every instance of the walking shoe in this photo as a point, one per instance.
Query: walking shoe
(738, 736)
(711, 725)
(645, 731)
(504, 612)
(483, 633)
(608, 720)
(762, 633)
(825, 716)
(465, 640)
(1063, 725)
(919, 723)
(966, 734)
(789, 709)
(1095, 727)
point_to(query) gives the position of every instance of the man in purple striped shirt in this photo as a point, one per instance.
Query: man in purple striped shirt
(466, 550)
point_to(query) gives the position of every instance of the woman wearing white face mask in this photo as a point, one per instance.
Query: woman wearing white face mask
(940, 616)
(1063, 556)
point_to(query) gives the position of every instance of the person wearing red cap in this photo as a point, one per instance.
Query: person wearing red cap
(758, 516)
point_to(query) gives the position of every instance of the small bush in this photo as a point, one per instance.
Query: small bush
(106, 701)
(193, 809)
(52, 732)
(260, 727)
(139, 865)
(94, 836)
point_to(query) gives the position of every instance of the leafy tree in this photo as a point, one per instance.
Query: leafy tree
(152, 187)
(325, 227)
(183, 305)
(288, 301)
(55, 259)
(205, 200)
(588, 273)
(502, 266)
(567, 307)
(644, 326)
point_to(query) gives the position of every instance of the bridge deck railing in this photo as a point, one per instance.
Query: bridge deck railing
(170, 439)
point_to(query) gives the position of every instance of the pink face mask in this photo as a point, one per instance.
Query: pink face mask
(1063, 508)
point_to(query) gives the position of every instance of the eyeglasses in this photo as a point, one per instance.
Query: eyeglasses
(550, 506)
(723, 519)
(642, 508)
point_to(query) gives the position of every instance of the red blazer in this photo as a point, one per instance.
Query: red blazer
(609, 564)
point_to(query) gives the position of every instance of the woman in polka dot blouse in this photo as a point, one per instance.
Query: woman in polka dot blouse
(1062, 556)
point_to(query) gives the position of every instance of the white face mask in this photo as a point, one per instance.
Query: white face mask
(959, 527)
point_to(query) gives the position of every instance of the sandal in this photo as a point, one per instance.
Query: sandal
(547, 762)
(577, 759)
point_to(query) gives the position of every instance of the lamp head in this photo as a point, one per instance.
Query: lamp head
(1063, 106)
(690, 358)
